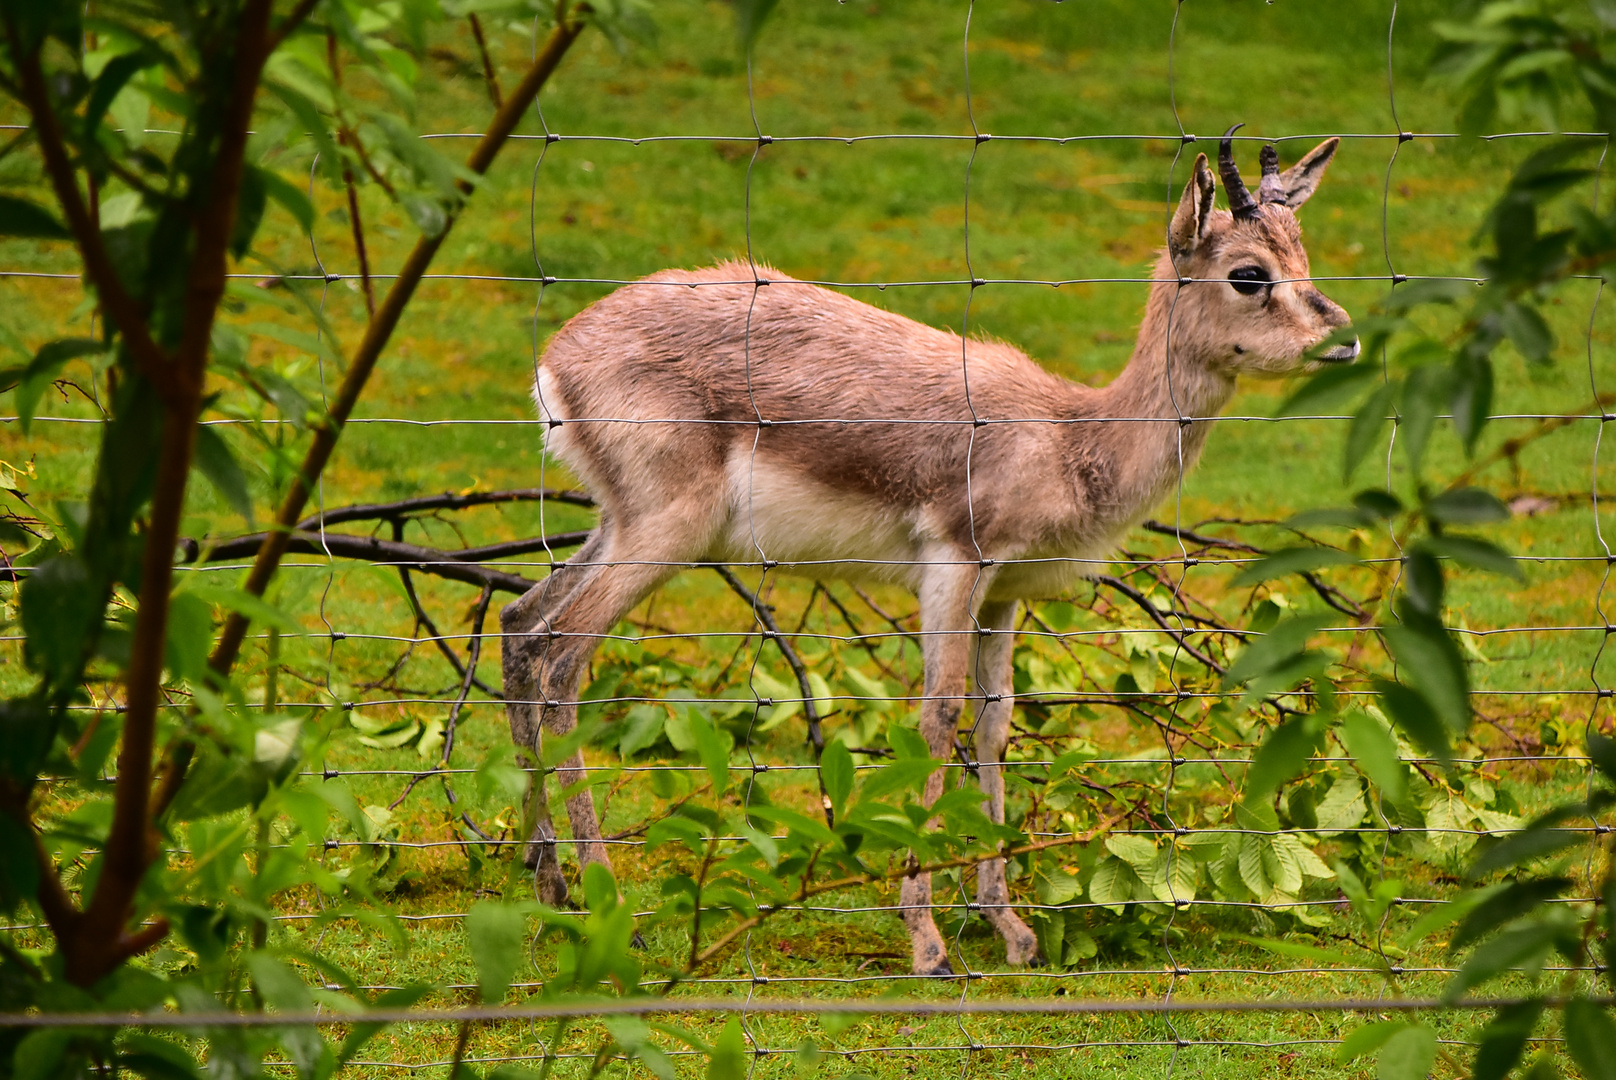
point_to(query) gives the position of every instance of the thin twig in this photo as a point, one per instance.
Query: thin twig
(346, 137)
(808, 893)
(1150, 609)
(490, 78)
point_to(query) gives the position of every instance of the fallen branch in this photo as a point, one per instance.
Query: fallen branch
(422, 504)
(462, 565)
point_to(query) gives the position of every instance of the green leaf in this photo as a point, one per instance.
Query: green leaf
(1541, 837)
(713, 744)
(1407, 1055)
(361, 1032)
(1527, 330)
(904, 774)
(1504, 1040)
(21, 218)
(1410, 711)
(1430, 661)
(19, 871)
(499, 773)
(290, 197)
(765, 844)
(1590, 1036)
(728, 1058)
(1367, 424)
(1466, 506)
(836, 771)
(642, 727)
(1293, 560)
(220, 466)
(1524, 947)
(1367, 1039)
(113, 78)
(1471, 378)
(427, 213)
(1602, 751)
(1283, 754)
(39, 1054)
(1476, 554)
(281, 987)
(1323, 390)
(250, 204)
(497, 934)
(154, 1058)
(1518, 898)
(1425, 392)
(1281, 643)
(1302, 951)
(1412, 294)
(1114, 883)
(749, 18)
(61, 608)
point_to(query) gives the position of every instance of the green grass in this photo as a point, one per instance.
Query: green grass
(879, 211)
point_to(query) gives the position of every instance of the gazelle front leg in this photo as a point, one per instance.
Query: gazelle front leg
(946, 600)
(993, 688)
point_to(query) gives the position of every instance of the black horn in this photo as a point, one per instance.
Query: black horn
(1271, 189)
(1240, 201)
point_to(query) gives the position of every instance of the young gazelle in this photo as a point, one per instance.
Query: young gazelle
(758, 419)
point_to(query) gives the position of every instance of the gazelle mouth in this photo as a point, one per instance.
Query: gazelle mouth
(1341, 354)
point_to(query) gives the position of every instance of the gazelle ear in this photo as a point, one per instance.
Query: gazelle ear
(1302, 179)
(1194, 207)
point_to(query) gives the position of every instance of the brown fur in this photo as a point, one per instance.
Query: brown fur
(717, 417)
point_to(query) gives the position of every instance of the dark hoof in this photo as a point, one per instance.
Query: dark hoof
(636, 942)
(941, 970)
(1035, 961)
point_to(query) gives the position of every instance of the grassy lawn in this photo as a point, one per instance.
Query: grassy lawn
(1085, 102)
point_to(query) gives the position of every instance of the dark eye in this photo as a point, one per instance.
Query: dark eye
(1248, 279)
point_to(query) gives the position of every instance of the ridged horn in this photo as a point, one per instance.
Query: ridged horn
(1271, 189)
(1240, 201)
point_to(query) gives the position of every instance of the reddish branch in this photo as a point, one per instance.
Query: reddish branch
(96, 940)
(277, 541)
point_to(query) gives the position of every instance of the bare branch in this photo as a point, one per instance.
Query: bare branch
(446, 501)
(455, 565)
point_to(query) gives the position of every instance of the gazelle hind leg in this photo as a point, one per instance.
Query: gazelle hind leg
(945, 618)
(524, 640)
(992, 688)
(639, 556)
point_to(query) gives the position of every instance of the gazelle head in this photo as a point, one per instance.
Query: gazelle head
(1252, 308)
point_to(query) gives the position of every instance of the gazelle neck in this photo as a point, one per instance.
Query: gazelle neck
(1170, 377)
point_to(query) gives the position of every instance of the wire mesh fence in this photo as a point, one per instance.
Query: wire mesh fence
(1138, 651)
